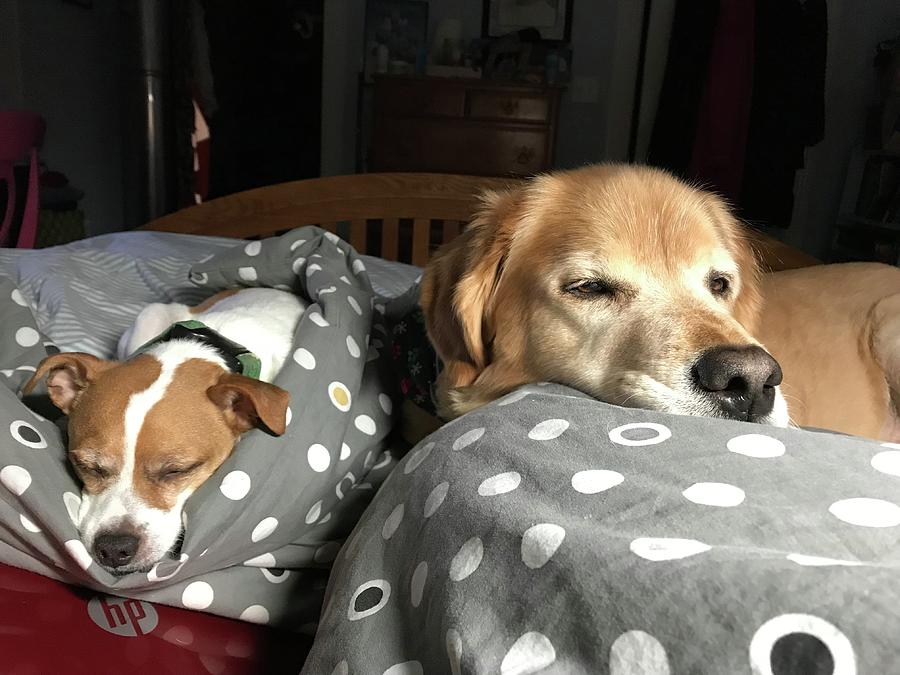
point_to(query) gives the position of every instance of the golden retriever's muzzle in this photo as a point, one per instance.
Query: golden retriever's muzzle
(739, 379)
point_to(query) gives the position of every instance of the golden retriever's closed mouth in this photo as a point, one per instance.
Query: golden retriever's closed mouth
(619, 281)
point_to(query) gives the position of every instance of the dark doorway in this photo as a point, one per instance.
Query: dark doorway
(266, 66)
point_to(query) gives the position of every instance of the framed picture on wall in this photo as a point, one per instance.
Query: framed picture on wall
(552, 18)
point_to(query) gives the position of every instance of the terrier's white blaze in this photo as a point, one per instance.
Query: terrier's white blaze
(108, 510)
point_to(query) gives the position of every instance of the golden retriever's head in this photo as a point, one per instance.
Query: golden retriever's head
(620, 281)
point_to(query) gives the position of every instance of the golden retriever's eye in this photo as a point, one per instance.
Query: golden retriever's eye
(718, 284)
(590, 288)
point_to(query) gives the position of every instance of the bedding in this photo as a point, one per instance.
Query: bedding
(548, 532)
(261, 533)
(84, 295)
(545, 532)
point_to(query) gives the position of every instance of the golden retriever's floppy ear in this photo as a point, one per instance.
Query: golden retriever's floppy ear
(749, 301)
(458, 286)
(68, 375)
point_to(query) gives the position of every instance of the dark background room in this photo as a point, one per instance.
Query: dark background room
(789, 109)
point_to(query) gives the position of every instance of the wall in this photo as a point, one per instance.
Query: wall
(63, 62)
(11, 94)
(855, 28)
(342, 52)
(583, 114)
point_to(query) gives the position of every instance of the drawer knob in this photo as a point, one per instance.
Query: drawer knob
(510, 106)
(524, 155)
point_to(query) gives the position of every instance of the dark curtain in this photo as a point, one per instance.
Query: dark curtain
(742, 97)
(690, 43)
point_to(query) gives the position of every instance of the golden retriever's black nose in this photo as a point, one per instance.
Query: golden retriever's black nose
(740, 379)
(115, 550)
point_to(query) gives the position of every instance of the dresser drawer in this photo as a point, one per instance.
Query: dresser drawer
(489, 105)
(460, 147)
(402, 98)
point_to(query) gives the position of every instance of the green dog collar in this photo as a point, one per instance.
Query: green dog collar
(237, 358)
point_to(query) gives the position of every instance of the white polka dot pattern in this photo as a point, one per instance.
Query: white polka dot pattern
(197, 595)
(416, 457)
(393, 522)
(531, 653)
(305, 358)
(263, 529)
(79, 553)
(468, 438)
(866, 512)
(499, 484)
(29, 525)
(592, 481)
(417, 583)
(637, 652)
(658, 434)
(657, 549)
(318, 457)
(27, 336)
(887, 462)
(236, 485)
(365, 424)
(467, 559)
(756, 445)
(435, 498)
(540, 542)
(714, 494)
(548, 430)
(15, 479)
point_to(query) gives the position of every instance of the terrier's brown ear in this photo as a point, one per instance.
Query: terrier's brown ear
(247, 402)
(68, 376)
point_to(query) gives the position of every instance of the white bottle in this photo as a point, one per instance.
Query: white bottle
(381, 58)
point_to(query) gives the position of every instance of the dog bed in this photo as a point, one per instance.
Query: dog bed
(548, 532)
(262, 532)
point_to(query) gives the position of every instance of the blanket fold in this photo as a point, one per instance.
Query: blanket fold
(262, 532)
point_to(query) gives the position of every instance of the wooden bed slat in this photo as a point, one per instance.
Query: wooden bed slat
(330, 227)
(358, 235)
(390, 238)
(421, 234)
(451, 230)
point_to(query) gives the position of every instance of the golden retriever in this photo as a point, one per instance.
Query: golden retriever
(642, 291)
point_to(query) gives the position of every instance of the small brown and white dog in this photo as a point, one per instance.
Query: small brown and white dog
(146, 432)
(643, 291)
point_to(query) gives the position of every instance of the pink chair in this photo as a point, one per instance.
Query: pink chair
(21, 133)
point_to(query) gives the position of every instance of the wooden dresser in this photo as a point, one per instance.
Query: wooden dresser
(475, 127)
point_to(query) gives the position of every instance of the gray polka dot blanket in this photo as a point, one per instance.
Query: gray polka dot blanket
(551, 533)
(261, 533)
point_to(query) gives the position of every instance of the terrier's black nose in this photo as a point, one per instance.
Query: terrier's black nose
(115, 550)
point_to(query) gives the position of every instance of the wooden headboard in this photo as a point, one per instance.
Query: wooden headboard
(397, 216)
